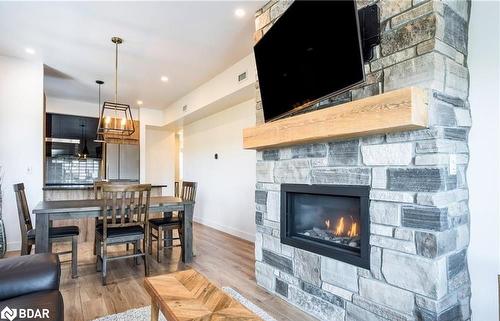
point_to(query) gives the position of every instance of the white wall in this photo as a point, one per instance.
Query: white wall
(160, 158)
(21, 138)
(151, 118)
(483, 172)
(226, 186)
(213, 90)
(76, 107)
(71, 107)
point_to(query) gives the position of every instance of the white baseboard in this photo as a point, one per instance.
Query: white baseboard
(13, 246)
(227, 229)
(16, 246)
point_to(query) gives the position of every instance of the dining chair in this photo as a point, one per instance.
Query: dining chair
(169, 223)
(98, 184)
(125, 220)
(56, 234)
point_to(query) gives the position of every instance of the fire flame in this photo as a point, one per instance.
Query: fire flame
(340, 228)
(354, 230)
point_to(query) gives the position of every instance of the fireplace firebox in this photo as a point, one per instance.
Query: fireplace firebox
(330, 220)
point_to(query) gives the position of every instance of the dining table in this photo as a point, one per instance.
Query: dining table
(47, 211)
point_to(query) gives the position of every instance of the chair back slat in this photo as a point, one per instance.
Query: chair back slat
(120, 204)
(123, 208)
(141, 201)
(188, 192)
(131, 207)
(176, 189)
(114, 197)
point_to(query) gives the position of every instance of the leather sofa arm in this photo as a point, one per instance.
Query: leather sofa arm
(28, 274)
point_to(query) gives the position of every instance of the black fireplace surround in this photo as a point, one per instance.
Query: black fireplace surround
(330, 220)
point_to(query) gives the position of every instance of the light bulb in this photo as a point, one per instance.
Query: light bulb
(240, 13)
(107, 120)
(123, 122)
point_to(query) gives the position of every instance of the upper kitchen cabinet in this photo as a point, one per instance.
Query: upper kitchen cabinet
(67, 134)
(69, 126)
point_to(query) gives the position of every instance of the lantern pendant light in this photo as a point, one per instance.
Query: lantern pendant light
(116, 118)
(99, 136)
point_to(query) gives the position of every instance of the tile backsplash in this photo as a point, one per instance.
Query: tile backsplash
(71, 170)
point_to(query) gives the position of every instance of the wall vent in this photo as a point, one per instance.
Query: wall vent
(242, 76)
(185, 108)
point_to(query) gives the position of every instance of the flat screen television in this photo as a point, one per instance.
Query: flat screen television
(312, 51)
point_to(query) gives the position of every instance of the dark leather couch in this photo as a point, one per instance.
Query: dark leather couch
(32, 282)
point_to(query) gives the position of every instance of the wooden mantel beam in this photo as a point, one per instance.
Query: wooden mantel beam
(398, 110)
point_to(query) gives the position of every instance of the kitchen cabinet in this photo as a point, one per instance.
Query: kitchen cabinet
(122, 161)
(69, 127)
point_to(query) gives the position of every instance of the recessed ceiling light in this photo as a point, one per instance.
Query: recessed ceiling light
(164, 78)
(139, 102)
(240, 13)
(31, 51)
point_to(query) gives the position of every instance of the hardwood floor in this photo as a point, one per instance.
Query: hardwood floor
(224, 259)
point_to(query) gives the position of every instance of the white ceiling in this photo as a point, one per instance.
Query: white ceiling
(189, 42)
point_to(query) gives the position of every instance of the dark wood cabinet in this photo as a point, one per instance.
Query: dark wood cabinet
(70, 127)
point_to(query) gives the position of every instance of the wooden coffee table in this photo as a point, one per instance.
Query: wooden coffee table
(188, 295)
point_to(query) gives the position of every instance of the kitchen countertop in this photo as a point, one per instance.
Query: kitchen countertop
(80, 187)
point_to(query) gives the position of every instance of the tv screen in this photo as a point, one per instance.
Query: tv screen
(312, 51)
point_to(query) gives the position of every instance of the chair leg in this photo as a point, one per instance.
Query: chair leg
(168, 235)
(181, 240)
(99, 257)
(28, 249)
(158, 245)
(137, 249)
(146, 259)
(74, 256)
(95, 239)
(104, 262)
(134, 250)
(150, 241)
(127, 248)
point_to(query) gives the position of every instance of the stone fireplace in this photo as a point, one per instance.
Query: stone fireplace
(417, 228)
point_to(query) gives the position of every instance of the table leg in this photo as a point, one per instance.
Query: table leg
(187, 230)
(51, 224)
(155, 311)
(42, 233)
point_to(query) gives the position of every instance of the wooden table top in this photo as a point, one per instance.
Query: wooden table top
(189, 296)
(47, 207)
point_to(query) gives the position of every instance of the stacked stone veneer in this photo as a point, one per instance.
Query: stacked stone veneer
(418, 207)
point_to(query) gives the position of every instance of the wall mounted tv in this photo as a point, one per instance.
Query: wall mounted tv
(311, 52)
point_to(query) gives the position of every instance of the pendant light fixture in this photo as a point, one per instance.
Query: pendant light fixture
(99, 136)
(83, 153)
(116, 118)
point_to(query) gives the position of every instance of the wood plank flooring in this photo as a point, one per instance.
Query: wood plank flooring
(224, 259)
